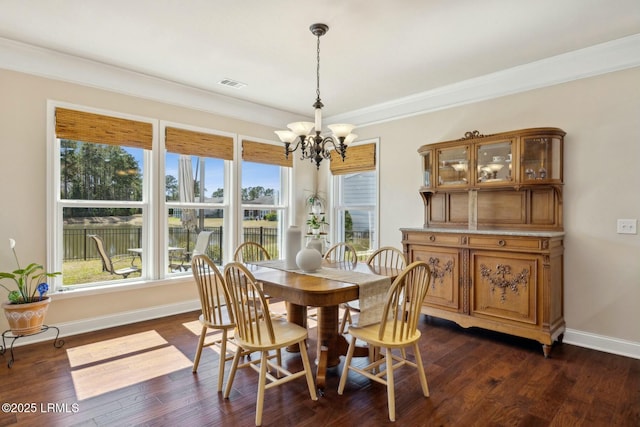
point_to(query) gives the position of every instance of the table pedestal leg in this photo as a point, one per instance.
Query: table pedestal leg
(296, 314)
(331, 345)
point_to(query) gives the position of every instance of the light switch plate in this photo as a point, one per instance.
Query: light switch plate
(627, 226)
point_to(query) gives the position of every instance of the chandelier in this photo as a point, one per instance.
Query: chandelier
(314, 146)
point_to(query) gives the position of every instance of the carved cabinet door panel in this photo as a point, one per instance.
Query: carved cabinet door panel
(445, 288)
(505, 285)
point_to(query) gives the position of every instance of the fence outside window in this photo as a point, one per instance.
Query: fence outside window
(118, 240)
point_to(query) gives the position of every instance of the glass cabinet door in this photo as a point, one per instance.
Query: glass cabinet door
(427, 172)
(494, 162)
(453, 166)
(541, 159)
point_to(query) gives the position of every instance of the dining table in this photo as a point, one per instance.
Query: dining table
(325, 289)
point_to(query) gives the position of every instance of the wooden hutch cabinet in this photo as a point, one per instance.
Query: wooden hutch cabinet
(493, 233)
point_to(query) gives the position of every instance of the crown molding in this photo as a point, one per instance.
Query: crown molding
(599, 59)
(50, 64)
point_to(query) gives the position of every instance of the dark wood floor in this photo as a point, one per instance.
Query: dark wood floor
(141, 375)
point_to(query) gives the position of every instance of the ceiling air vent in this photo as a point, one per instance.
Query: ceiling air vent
(232, 83)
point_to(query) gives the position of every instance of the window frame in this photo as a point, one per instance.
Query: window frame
(163, 205)
(337, 202)
(153, 204)
(284, 205)
(55, 204)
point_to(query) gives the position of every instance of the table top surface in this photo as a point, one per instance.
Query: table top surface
(305, 289)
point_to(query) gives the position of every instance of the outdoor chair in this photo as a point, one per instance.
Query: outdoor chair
(202, 244)
(108, 262)
(257, 331)
(397, 330)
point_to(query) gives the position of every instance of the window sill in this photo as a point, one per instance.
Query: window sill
(120, 287)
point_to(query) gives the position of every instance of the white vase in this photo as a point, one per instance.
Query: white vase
(316, 244)
(293, 243)
(309, 260)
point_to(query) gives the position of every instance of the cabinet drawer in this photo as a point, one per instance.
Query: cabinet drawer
(504, 242)
(434, 238)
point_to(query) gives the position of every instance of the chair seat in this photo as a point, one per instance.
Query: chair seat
(369, 334)
(225, 324)
(285, 334)
(126, 271)
(352, 305)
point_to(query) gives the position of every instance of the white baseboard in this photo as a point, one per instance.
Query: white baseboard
(571, 336)
(103, 322)
(602, 343)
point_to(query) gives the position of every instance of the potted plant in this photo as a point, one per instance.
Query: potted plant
(315, 203)
(27, 303)
(315, 223)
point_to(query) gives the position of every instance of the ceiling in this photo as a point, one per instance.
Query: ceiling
(375, 52)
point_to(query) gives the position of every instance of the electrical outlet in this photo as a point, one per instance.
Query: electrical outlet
(627, 226)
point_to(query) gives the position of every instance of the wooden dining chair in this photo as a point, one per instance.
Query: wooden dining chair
(216, 311)
(341, 252)
(257, 331)
(250, 251)
(386, 256)
(397, 330)
(108, 262)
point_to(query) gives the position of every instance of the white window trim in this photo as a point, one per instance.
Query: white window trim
(55, 204)
(286, 174)
(336, 202)
(163, 205)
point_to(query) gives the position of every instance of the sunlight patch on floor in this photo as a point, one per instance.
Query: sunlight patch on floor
(127, 371)
(108, 349)
(195, 327)
(113, 364)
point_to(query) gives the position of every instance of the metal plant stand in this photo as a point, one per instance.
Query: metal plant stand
(57, 342)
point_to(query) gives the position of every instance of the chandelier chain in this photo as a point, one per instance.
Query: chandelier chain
(318, 70)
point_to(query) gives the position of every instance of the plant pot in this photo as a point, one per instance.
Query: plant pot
(26, 319)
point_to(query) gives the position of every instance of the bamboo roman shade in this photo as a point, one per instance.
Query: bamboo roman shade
(360, 158)
(259, 152)
(183, 141)
(99, 129)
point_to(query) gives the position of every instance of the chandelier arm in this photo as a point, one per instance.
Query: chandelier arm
(288, 150)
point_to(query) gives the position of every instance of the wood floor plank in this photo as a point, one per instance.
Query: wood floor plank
(476, 378)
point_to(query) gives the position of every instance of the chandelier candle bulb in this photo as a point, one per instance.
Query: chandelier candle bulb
(318, 124)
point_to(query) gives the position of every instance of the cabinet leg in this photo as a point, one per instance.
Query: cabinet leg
(546, 349)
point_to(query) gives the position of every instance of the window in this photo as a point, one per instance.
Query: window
(129, 196)
(100, 188)
(264, 192)
(197, 164)
(355, 183)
